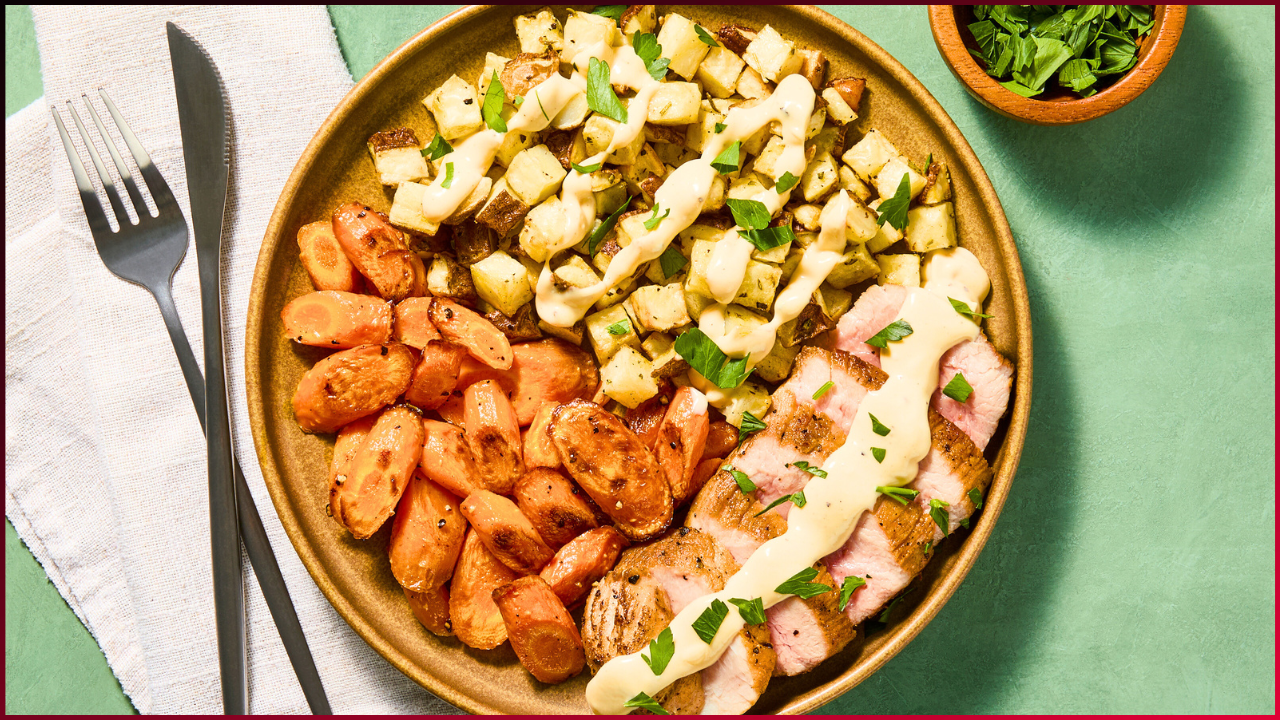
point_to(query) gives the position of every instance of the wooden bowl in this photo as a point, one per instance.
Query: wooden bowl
(335, 168)
(950, 25)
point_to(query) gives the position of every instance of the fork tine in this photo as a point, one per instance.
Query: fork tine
(88, 195)
(121, 216)
(155, 181)
(125, 176)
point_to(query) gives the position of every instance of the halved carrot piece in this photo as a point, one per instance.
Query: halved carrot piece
(467, 328)
(413, 325)
(705, 470)
(680, 441)
(432, 609)
(581, 562)
(541, 371)
(435, 375)
(542, 633)
(349, 440)
(557, 508)
(645, 419)
(379, 473)
(494, 436)
(453, 410)
(722, 438)
(323, 259)
(338, 320)
(539, 451)
(475, 618)
(351, 384)
(446, 458)
(380, 252)
(506, 532)
(426, 536)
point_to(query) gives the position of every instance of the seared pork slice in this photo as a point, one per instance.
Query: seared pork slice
(985, 369)
(804, 632)
(723, 511)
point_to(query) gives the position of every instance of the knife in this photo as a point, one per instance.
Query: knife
(202, 114)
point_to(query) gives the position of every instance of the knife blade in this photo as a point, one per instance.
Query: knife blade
(202, 115)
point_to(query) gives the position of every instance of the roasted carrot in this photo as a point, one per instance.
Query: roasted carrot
(323, 259)
(465, 327)
(722, 438)
(556, 507)
(542, 633)
(581, 562)
(680, 441)
(453, 410)
(645, 419)
(413, 326)
(446, 458)
(546, 370)
(493, 435)
(380, 252)
(432, 609)
(337, 320)
(475, 618)
(705, 470)
(506, 532)
(351, 384)
(538, 448)
(350, 437)
(435, 375)
(426, 536)
(364, 499)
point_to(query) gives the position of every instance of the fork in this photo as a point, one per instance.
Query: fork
(148, 253)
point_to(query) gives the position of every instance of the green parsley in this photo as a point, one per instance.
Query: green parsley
(649, 51)
(878, 454)
(661, 649)
(720, 128)
(643, 700)
(894, 210)
(823, 390)
(786, 182)
(878, 427)
(708, 623)
(517, 100)
(754, 216)
(940, 517)
(965, 523)
(884, 616)
(975, 497)
(851, 583)
(744, 482)
(796, 498)
(811, 469)
(437, 148)
(901, 494)
(585, 169)
(752, 611)
(705, 36)
(544, 110)
(928, 545)
(750, 424)
(964, 309)
(801, 585)
(958, 389)
(728, 159)
(892, 332)
(491, 109)
(613, 12)
(622, 327)
(597, 236)
(600, 95)
(671, 261)
(709, 361)
(447, 182)
(654, 220)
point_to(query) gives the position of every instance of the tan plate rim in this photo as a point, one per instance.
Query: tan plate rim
(901, 633)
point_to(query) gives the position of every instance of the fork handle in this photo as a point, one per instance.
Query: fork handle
(252, 531)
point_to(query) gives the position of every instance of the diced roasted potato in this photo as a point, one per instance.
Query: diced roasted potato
(543, 227)
(513, 143)
(850, 89)
(681, 45)
(715, 197)
(539, 32)
(736, 37)
(660, 348)
(570, 334)
(675, 103)
(598, 133)
(638, 19)
(751, 86)
(518, 328)
(830, 139)
(493, 63)
(534, 175)
(503, 212)
(628, 377)
(812, 321)
(808, 217)
(747, 397)
(772, 56)
(657, 307)
(575, 272)
(817, 121)
(616, 294)
(745, 187)
(397, 156)
(612, 195)
(520, 75)
(819, 177)
(755, 142)
(446, 278)
(740, 322)
(855, 266)
(834, 302)
(776, 366)
(869, 155)
(759, 286)
(837, 109)
(890, 177)
(478, 195)
(850, 181)
(456, 108)
(610, 330)
(767, 161)
(937, 186)
(813, 66)
(719, 71)
(501, 281)
(406, 209)
(473, 242)
(792, 262)
(582, 30)
(931, 227)
(573, 114)
(860, 222)
(899, 270)
(886, 234)
(701, 130)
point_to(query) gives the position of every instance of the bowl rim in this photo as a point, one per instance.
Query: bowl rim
(1004, 466)
(1170, 20)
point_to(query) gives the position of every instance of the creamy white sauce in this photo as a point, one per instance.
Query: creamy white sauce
(836, 502)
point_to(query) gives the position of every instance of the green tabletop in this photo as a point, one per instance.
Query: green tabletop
(1133, 568)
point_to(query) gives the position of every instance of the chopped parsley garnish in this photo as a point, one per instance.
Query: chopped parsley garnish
(753, 216)
(648, 50)
(801, 585)
(494, 98)
(654, 220)
(892, 332)
(813, 470)
(796, 499)
(661, 649)
(884, 616)
(823, 390)
(728, 159)
(901, 494)
(709, 361)
(597, 236)
(878, 454)
(958, 389)
(878, 427)
(585, 169)
(709, 621)
(437, 148)
(600, 95)
(671, 261)
(786, 182)
(447, 182)
(851, 583)
(928, 545)
(744, 482)
(965, 523)
(752, 611)
(613, 12)
(964, 309)
(720, 128)
(544, 110)
(705, 36)
(643, 700)
(894, 210)
(940, 517)
(517, 100)
(975, 497)
(750, 424)
(622, 327)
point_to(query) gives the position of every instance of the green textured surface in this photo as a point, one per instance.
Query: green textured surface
(1133, 567)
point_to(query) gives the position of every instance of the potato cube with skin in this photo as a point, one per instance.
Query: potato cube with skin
(474, 201)
(869, 155)
(745, 188)
(582, 30)
(700, 132)
(539, 31)
(719, 71)
(598, 134)
(793, 261)
(572, 115)
(819, 178)
(931, 227)
(638, 19)
(808, 217)
(890, 177)
(681, 45)
(534, 175)
(446, 278)
(899, 270)
(751, 86)
(940, 190)
(860, 223)
(748, 397)
(628, 377)
(772, 56)
(406, 209)
(658, 307)
(767, 160)
(513, 143)
(456, 108)
(776, 366)
(759, 286)
(397, 157)
(834, 302)
(837, 109)
(661, 351)
(502, 282)
(850, 181)
(813, 67)
(543, 228)
(675, 103)
(829, 139)
(493, 63)
(755, 142)
(855, 266)
(886, 233)
(716, 195)
(740, 322)
(616, 294)
(606, 343)
(575, 272)
(502, 212)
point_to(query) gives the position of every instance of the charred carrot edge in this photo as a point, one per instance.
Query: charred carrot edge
(446, 458)
(426, 535)
(494, 435)
(581, 562)
(432, 609)
(467, 328)
(541, 630)
(539, 451)
(349, 440)
(722, 438)
(681, 438)
(554, 504)
(378, 474)
(506, 532)
(435, 376)
(476, 619)
(413, 325)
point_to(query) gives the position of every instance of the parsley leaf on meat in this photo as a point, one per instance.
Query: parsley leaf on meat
(802, 586)
(975, 497)
(892, 332)
(708, 623)
(901, 494)
(940, 517)
(851, 583)
(750, 424)
(752, 611)
(811, 469)
(744, 482)
(964, 309)
(958, 389)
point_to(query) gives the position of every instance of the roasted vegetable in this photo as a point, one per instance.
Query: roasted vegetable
(435, 376)
(474, 616)
(582, 561)
(494, 436)
(542, 633)
(351, 384)
(681, 439)
(413, 325)
(426, 536)
(337, 320)
(325, 262)
(546, 370)
(539, 451)
(348, 442)
(380, 252)
(722, 438)
(464, 327)
(556, 507)
(446, 458)
(506, 532)
(432, 609)
(364, 497)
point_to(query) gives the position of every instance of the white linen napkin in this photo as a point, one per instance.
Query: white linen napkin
(104, 458)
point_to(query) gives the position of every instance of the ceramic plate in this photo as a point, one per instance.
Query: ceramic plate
(336, 168)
